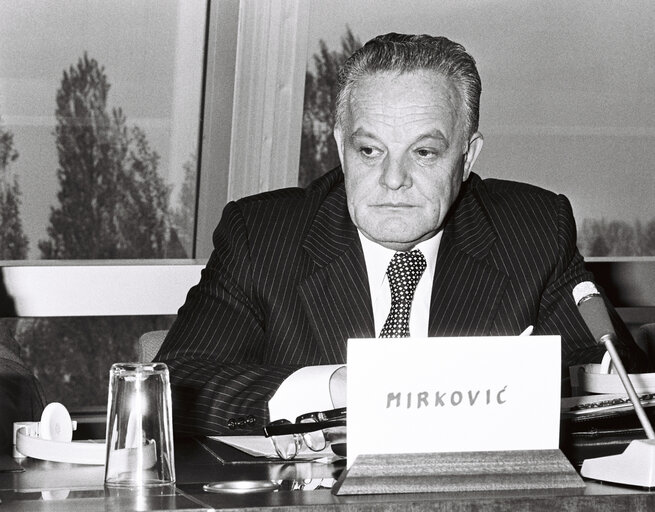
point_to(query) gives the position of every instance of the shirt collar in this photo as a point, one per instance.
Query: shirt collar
(378, 257)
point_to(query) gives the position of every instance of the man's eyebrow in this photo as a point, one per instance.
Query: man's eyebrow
(359, 132)
(436, 135)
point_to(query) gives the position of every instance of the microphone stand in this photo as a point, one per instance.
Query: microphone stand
(627, 384)
(636, 465)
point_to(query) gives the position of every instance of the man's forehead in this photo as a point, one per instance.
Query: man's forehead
(396, 85)
(423, 101)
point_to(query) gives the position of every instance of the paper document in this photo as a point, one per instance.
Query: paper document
(260, 446)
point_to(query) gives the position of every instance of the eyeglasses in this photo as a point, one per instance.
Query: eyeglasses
(315, 429)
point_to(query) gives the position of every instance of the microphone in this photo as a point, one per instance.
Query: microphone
(593, 311)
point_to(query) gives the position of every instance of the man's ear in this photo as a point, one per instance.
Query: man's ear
(474, 147)
(338, 137)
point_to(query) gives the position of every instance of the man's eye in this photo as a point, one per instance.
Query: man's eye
(426, 153)
(366, 151)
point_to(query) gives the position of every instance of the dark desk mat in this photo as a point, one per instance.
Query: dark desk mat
(9, 465)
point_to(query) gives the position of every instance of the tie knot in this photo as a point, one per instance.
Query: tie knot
(404, 273)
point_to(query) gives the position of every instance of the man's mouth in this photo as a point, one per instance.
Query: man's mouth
(393, 205)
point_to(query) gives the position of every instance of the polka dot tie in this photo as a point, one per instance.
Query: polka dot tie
(404, 273)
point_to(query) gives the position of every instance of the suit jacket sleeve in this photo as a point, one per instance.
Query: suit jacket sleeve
(558, 314)
(216, 348)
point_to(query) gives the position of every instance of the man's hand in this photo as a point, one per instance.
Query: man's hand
(338, 388)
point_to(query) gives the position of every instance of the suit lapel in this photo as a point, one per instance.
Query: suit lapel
(467, 289)
(337, 295)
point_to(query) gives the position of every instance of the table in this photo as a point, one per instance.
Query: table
(305, 486)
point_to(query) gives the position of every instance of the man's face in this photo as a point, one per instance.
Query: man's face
(405, 153)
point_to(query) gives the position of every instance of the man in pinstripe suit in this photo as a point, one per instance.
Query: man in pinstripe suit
(295, 272)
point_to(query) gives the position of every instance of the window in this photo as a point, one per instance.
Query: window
(100, 110)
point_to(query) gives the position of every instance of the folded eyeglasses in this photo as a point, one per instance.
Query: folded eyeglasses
(316, 430)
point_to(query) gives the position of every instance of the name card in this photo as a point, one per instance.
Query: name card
(423, 395)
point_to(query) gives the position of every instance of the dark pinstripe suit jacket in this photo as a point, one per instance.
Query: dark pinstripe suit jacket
(286, 286)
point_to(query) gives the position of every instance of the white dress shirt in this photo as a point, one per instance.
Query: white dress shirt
(377, 260)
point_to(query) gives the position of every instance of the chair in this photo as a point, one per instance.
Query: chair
(149, 344)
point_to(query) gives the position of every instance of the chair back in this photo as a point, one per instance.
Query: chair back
(149, 344)
(645, 338)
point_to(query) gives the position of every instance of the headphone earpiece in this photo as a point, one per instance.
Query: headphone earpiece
(56, 423)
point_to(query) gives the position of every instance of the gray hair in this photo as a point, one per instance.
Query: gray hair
(403, 53)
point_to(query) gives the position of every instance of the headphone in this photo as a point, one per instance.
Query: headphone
(51, 439)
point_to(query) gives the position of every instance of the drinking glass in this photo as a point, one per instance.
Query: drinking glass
(139, 426)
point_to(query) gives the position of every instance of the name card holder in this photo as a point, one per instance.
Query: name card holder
(459, 472)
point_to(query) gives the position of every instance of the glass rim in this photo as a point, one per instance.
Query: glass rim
(138, 368)
(135, 483)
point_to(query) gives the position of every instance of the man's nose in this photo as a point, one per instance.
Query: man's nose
(395, 174)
